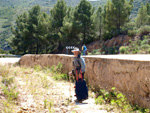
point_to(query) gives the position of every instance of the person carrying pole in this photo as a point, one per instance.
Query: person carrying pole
(78, 71)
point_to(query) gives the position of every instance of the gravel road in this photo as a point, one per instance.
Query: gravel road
(8, 60)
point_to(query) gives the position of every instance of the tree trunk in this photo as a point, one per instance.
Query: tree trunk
(84, 35)
(46, 49)
(24, 51)
(100, 34)
(37, 47)
(119, 24)
(100, 29)
(60, 48)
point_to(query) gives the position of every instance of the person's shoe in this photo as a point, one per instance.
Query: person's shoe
(78, 101)
(84, 99)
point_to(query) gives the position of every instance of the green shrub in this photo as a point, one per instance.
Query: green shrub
(132, 32)
(37, 68)
(135, 52)
(7, 87)
(57, 72)
(10, 92)
(61, 77)
(137, 46)
(145, 41)
(107, 36)
(130, 25)
(3, 52)
(123, 50)
(57, 69)
(144, 30)
(113, 50)
(49, 105)
(148, 50)
(95, 52)
(46, 69)
(146, 46)
(114, 98)
(110, 50)
(100, 100)
(44, 81)
(53, 68)
(4, 71)
(7, 81)
(140, 109)
(118, 100)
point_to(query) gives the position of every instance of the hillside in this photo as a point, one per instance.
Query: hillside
(10, 9)
(137, 4)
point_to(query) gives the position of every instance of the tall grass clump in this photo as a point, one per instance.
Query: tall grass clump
(57, 72)
(9, 89)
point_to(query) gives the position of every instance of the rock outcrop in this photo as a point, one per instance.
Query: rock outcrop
(121, 40)
(131, 77)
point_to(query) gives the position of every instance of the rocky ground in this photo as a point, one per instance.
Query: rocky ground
(33, 90)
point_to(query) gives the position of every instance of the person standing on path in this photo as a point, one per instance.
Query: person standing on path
(78, 71)
(84, 49)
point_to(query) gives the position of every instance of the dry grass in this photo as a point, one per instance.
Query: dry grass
(26, 89)
(33, 82)
(35, 90)
(8, 91)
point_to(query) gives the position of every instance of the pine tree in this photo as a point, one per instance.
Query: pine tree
(116, 14)
(19, 42)
(99, 21)
(69, 31)
(30, 32)
(142, 16)
(34, 14)
(148, 8)
(43, 31)
(57, 17)
(148, 13)
(83, 20)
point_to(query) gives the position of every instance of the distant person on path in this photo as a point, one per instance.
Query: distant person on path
(84, 49)
(78, 71)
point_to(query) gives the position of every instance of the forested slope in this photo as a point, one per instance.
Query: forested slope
(10, 9)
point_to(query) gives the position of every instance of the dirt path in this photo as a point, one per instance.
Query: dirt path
(8, 60)
(61, 96)
(88, 106)
(40, 93)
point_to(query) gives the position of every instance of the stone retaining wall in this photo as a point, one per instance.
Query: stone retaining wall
(129, 76)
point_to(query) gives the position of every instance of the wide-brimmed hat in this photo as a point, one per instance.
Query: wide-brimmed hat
(76, 49)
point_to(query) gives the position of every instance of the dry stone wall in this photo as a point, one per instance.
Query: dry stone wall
(129, 76)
